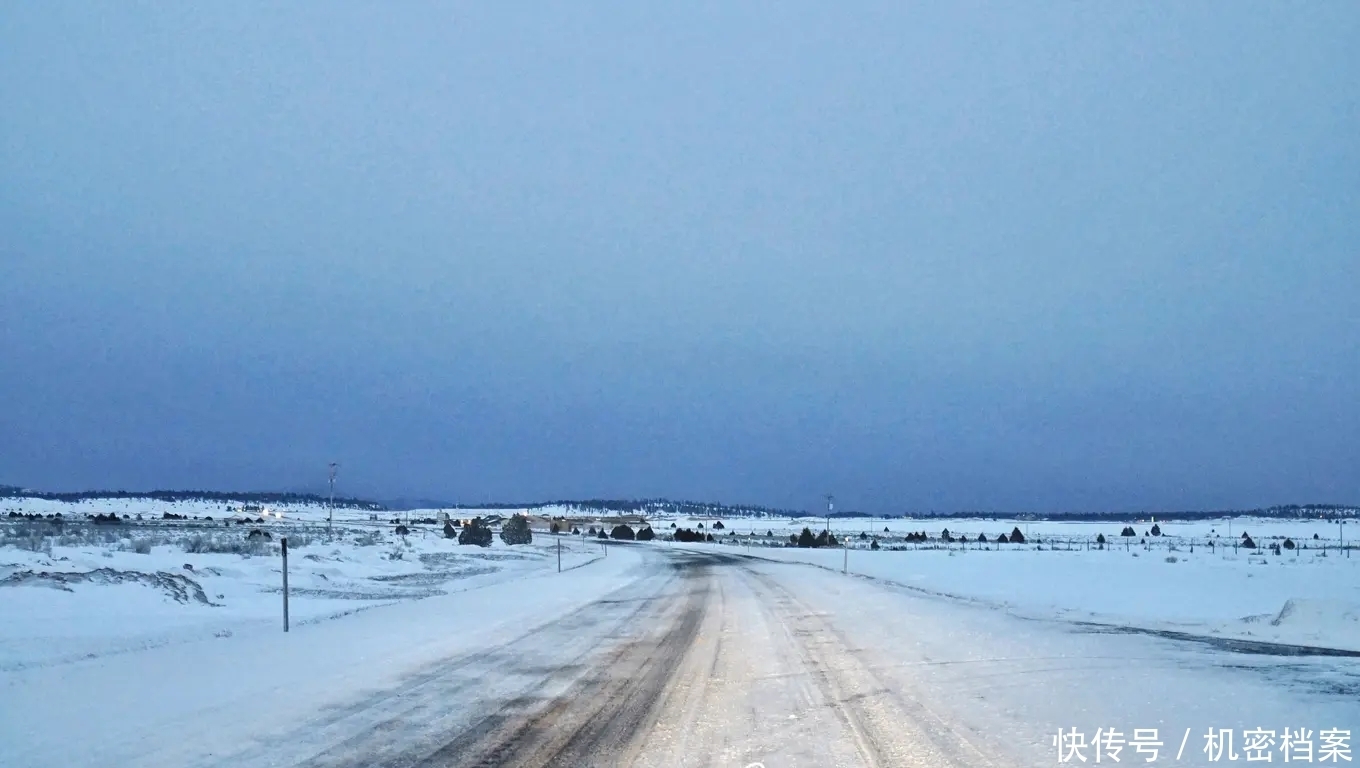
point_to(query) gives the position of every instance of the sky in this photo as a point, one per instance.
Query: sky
(922, 256)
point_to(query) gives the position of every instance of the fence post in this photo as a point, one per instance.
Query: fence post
(559, 555)
(285, 583)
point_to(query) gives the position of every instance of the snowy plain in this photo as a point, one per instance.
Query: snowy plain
(373, 613)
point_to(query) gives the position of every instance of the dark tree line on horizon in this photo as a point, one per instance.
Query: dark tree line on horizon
(647, 507)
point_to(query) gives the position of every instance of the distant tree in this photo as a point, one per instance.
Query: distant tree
(793, 539)
(475, 533)
(700, 525)
(806, 540)
(1001, 538)
(591, 531)
(982, 538)
(1016, 536)
(1100, 538)
(551, 528)
(769, 533)
(944, 536)
(516, 530)
(1248, 543)
(874, 544)
(646, 534)
(1288, 543)
(403, 530)
(885, 529)
(718, 526)
(601, 534)
(863, 535)
(622, 533)
(1128, 531)
(709, 538)
(449, 531)
(1156, 530)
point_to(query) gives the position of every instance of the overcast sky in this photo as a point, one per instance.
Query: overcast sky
(938, 256)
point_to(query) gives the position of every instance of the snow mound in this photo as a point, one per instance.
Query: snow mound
(1308, 613)
(177, 587)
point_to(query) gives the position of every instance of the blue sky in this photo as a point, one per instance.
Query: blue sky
(925, 257)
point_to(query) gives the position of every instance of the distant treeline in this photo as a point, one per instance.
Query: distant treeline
(700, 509)
(1286, 511)
(216, 497)
(645, 507)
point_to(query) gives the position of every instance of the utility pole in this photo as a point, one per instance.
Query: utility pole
(830, 504)
(330, 512)
(284, 541)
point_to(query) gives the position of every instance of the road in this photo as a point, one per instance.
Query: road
(706, 658)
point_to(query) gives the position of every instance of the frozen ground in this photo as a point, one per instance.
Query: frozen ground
(1189, 579)
(656, 654)
(97, 597)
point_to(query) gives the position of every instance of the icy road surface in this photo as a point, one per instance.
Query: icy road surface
(661, 656)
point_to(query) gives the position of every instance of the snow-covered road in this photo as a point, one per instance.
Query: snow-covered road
(661, 656)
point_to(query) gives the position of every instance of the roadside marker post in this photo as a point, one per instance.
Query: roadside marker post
(845, 550)
(284, 540)
(559, 555)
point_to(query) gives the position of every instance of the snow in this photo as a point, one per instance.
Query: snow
(1303, 596)
(355, 571)
(130, 653)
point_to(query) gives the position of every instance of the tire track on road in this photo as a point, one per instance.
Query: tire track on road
(604, 717)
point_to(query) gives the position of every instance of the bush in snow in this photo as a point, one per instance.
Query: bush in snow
(622, 533)
(1247, 542)
(516, 530)
(982, 538)
(806, 540)
(646, 534)
(1288, 544)
(874, 544)
(1128, 531)
(475, 533)
(718, 526)
(1100, 539)
(1016, 536)
(142, 546)
(449, 531)
(601, 534)
(1156, 530)
(402, 530)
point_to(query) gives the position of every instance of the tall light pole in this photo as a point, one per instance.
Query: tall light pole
(830, 505)
(330, 512)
